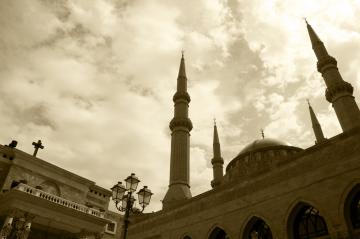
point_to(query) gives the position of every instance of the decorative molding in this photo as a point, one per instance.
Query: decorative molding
(328, 60)
(182, 122)
(332, 92)
(181, 95)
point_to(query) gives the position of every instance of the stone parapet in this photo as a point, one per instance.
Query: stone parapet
(58, 200)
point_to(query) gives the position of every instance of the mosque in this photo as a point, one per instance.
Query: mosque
(270, 190)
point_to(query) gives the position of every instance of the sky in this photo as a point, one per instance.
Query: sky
(94, 80)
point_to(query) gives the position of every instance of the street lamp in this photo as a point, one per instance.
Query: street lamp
(124, 201)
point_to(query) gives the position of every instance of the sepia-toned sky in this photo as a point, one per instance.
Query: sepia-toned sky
(94, 80)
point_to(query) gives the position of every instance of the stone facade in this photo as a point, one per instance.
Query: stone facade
(323, 176)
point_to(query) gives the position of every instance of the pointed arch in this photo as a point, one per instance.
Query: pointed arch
(256, 227)
(350, 207)
(306, 221)
(217, 232)
(186, 235)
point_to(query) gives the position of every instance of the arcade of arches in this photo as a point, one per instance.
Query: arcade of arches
(305, 222)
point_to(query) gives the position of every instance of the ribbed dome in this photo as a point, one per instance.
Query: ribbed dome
(260, 144)
(261, 150)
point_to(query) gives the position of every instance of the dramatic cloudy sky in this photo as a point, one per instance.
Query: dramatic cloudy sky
(94, 79)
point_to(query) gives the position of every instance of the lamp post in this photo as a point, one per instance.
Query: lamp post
(125, 202)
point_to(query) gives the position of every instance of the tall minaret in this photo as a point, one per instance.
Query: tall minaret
(338, 92)
(180, 126)
(316, 126)
(217, 161)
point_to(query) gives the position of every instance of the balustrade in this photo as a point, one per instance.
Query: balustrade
(58, 200)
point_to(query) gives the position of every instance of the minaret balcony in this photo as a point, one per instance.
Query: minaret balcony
(328, 61)
(344, 88)
(181, 122)
(181, 95)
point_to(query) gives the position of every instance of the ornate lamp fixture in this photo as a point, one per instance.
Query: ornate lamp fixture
(124, 200)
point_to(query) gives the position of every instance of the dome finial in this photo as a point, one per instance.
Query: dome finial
(262, 133)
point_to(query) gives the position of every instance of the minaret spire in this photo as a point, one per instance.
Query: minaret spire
(217, 161)
(180, 126)
(338, 92)
(182, 80)
(316, 125)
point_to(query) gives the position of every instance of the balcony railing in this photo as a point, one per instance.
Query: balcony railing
(58, 200)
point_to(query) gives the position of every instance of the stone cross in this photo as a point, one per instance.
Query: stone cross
(37, 146)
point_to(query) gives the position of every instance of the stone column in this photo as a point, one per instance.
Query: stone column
(24, 233)
(24, 226)
(7, 227)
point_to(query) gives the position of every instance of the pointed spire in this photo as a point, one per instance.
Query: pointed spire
(312, 34)
(182, 79)
(217, 161)
(316, 125)
(216, 136)
(182, 72)
(317, 45)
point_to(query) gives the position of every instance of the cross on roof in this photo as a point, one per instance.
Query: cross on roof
(37, 146)
(262, 133)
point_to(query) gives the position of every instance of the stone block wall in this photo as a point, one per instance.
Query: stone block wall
(322, 176)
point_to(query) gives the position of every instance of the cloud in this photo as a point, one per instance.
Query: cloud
(95, 80)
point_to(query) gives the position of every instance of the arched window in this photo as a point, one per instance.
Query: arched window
(260, 230)
(50, 187)
(309, 224)
(355, 211)
(256, 228)
(218, 233)
(187, 237)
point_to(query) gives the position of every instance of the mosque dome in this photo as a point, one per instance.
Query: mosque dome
(259, 155)
(261, 144)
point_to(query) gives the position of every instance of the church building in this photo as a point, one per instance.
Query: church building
(39, 200)
(270, 190)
